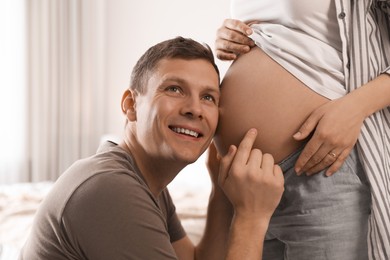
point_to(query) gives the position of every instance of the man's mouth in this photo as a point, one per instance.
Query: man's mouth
(185, 131)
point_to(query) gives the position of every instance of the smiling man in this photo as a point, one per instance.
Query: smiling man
(115, 204)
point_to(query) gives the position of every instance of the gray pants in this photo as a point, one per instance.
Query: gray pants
(321, 217)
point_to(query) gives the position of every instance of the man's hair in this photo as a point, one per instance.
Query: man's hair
(179, 47)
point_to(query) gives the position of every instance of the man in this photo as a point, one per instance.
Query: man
(115, 205)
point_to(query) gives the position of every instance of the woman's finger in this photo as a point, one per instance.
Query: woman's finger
(339, 161)
(307, 153)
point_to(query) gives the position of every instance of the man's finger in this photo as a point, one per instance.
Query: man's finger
(225, 164)
(245, 147)
(268, 163)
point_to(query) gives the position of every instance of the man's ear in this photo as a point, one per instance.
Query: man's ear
(128, 105)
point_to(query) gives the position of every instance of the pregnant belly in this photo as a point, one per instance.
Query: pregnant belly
(257, 92)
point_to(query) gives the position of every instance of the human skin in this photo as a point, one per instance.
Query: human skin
(181, 95)
(329, 127)
(170, 126)
(257, 92)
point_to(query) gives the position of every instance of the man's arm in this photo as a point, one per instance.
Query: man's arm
(254, 185)
(213, 244)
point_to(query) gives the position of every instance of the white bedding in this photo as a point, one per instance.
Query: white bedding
(18, 203)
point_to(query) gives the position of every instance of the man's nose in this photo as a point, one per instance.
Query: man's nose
(193, 108)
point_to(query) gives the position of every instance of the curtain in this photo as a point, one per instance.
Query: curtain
(13, 162)
(66, 84)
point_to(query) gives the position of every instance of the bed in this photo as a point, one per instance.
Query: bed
(19, 202)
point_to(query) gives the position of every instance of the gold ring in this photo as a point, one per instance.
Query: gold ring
(332, 154)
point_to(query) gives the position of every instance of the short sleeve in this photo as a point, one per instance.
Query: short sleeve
(114, 216)
(175, 228)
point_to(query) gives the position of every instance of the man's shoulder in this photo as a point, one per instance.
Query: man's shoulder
(89, 175)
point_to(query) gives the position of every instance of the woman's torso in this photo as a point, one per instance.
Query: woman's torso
(276, 86)
(258, 92)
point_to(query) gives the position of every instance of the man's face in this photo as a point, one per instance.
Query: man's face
(177, 116)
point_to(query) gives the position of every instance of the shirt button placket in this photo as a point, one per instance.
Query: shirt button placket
(342, 15)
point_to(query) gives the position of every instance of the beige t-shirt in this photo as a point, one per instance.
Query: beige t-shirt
(101, 208)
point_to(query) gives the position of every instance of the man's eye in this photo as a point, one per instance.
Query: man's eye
(173, 89)
(209, 98)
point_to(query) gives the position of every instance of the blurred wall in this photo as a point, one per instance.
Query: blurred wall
(66, 64)
(133, 26)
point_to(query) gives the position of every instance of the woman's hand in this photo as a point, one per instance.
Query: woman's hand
(232, 39)
(336, 127)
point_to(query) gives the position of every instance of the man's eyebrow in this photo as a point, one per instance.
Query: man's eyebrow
(183, 81)
(213, 89)
(174, 79)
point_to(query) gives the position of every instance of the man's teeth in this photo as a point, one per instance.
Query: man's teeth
(185, 131)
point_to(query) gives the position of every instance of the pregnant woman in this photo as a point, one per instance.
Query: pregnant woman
(313, 78)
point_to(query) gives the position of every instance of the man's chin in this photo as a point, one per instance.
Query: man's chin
(189, 158)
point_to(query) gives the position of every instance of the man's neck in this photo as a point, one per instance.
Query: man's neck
(157, 172)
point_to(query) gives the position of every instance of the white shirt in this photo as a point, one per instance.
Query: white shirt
(302, 36)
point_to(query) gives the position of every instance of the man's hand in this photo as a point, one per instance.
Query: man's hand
(250, 179)
(212, 163)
